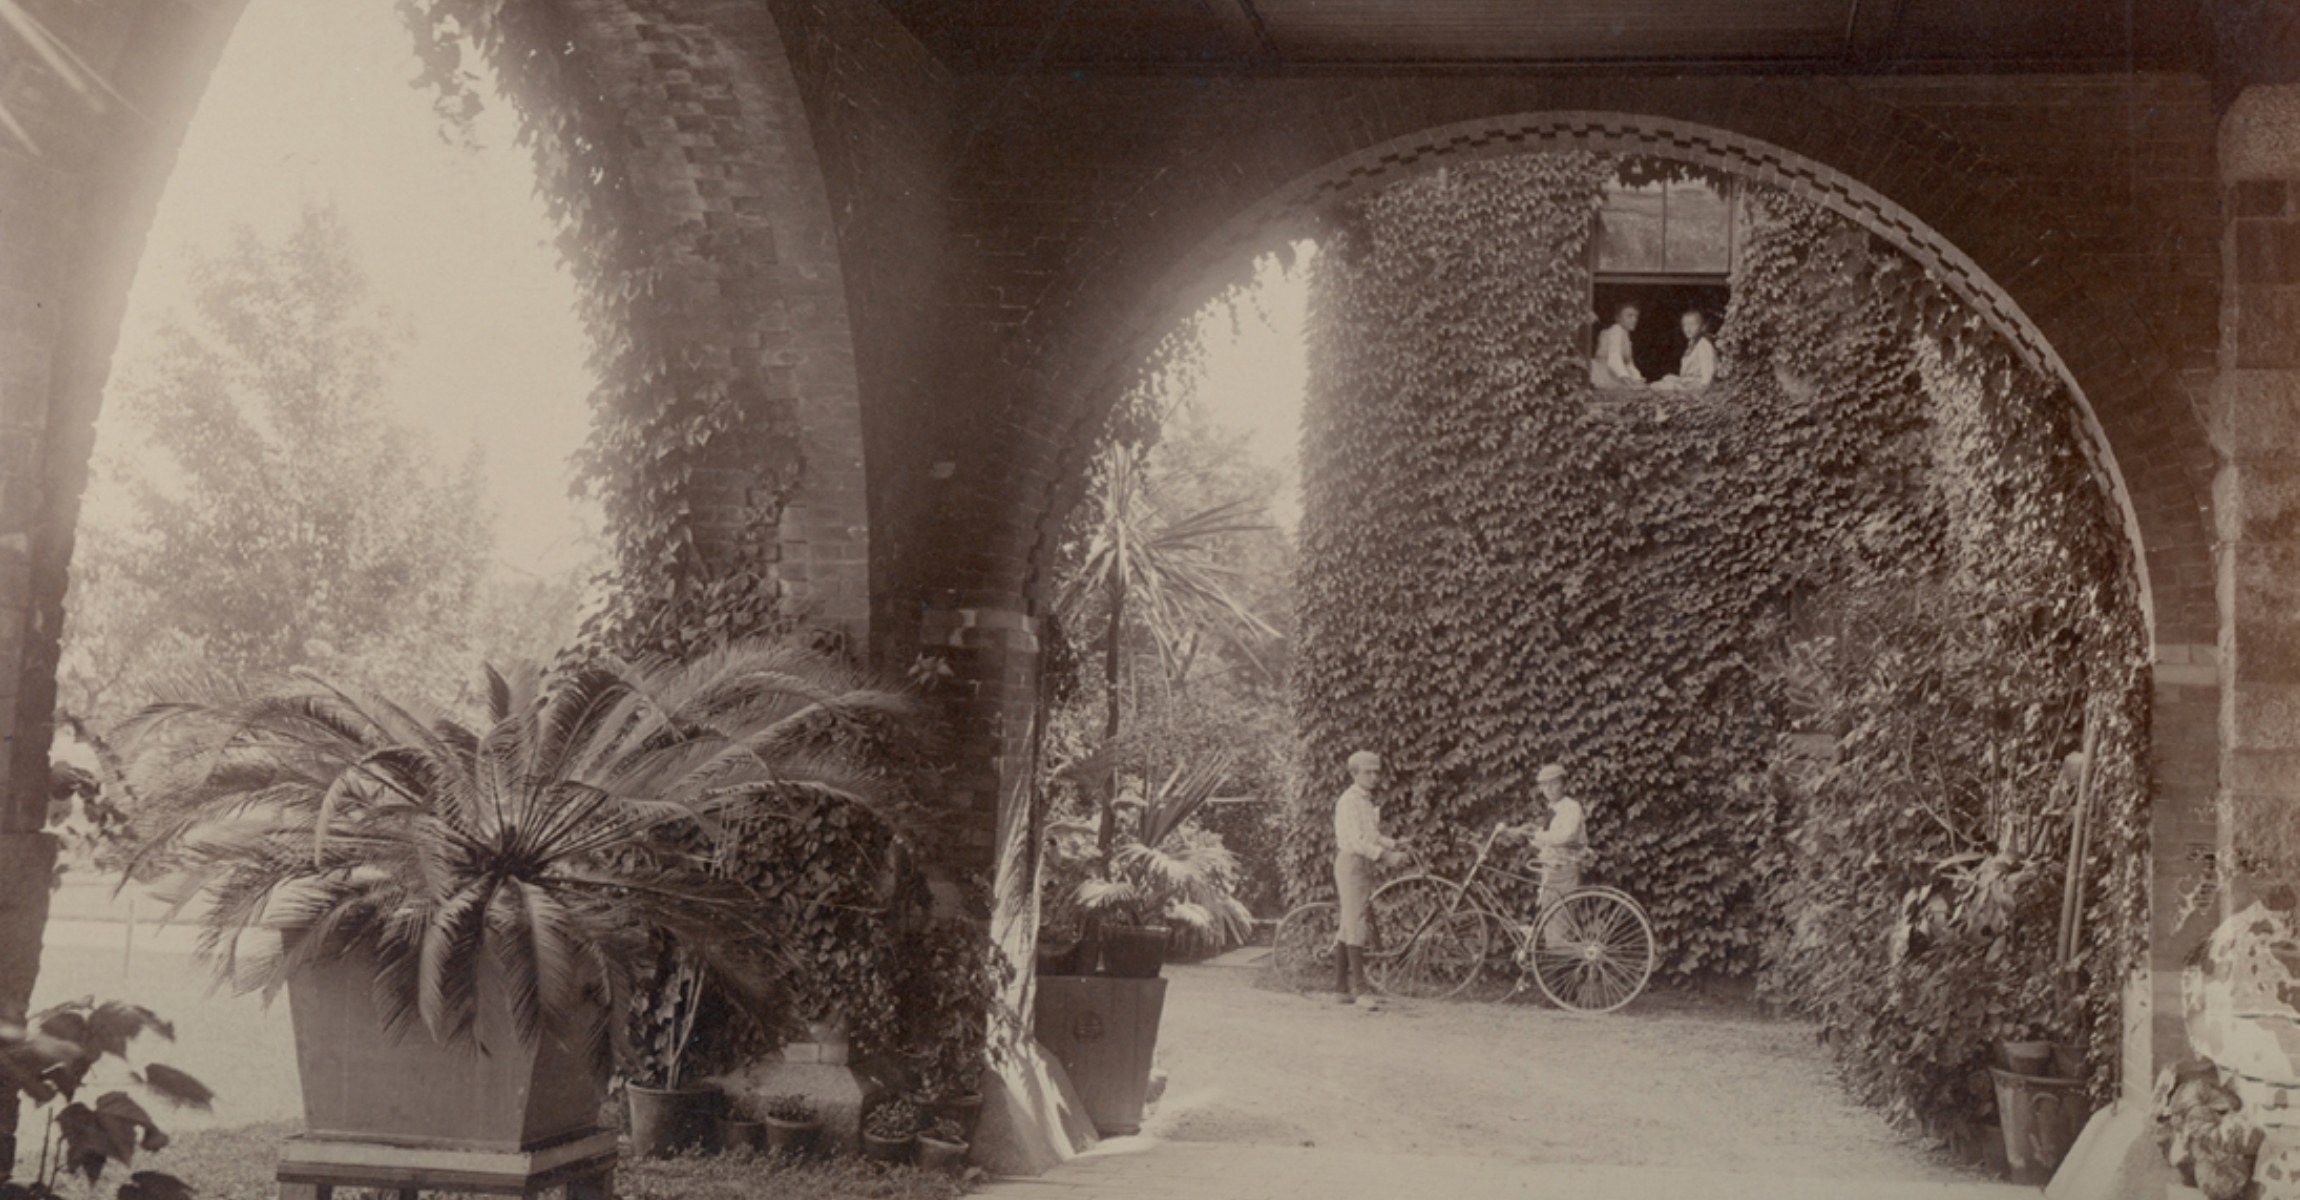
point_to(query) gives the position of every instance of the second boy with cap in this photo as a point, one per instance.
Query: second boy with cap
(1564, 844)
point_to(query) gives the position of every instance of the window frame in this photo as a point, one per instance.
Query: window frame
(1733, 213)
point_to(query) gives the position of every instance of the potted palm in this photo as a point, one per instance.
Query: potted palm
(1143, 567)
(1155, 878)
(459, 907)
(1104, 1026)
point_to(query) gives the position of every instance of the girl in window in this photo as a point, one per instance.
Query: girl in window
(1699, 366)
(1615, 365)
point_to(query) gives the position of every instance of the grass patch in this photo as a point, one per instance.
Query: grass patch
(743, 1175)
(236, 1164)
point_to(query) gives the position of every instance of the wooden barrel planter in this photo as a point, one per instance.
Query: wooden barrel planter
(1104, 1030)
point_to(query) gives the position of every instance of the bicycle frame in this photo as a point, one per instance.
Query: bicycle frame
(1589, 950)
(1476, 890)
(1481, 892)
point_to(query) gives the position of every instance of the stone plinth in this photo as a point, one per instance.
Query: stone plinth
(815, 1071)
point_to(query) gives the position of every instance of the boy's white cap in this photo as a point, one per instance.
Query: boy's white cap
(1365, 758)
(1552, 771)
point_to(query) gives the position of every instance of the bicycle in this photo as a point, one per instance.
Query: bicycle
(1302, 950)
(1589, 951)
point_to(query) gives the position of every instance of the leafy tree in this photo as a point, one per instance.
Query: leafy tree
(1184, 703)
(266, 513)
(1163, 571)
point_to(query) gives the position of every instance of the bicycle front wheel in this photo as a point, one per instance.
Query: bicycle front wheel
(1302, 952)
(1429, 940)
(1592, 951)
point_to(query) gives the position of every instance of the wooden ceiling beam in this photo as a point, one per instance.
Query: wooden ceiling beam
(1248, 35)
(1869, 26)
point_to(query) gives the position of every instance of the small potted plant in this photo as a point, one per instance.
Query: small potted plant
(890, 1130)
(737, 1129)
(942, 1147)
(668, 1114)
(793, 1124)
(951, 1092)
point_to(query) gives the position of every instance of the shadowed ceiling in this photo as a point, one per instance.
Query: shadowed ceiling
(1005, 36)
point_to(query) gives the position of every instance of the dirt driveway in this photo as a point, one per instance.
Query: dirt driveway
(1658, 1084)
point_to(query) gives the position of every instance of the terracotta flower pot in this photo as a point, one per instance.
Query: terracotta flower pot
(2026, 1058)
(2041, 1118)
(937, 1155)
(665, 1121)
(887, 1150)
(738, 1134)
(792, 1138)
(966, 1110)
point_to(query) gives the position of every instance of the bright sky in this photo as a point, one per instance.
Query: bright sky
(311, 101)
(1257, 369)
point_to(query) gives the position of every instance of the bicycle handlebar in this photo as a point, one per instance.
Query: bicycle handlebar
(1484, 848)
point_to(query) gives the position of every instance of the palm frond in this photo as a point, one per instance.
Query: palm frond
(1183, 793)
(548, 845)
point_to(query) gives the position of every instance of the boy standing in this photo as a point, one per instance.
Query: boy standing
(1358, 846)
(1564, 844)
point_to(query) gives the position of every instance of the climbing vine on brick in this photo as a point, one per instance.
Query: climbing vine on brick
(1498, 572)
(1501, 568)
(1929, 855)
(672, 420)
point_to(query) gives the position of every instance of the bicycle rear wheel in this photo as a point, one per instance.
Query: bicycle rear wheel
(1592, 951)
(1429, 940)
(1302, 952)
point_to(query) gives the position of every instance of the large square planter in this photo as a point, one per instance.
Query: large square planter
(1104, 1030)
(363, 1084)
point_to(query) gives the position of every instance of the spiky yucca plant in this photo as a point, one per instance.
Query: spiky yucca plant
(1158, 871)
(546, 843)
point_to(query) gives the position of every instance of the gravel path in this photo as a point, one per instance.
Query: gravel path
(1656, 1085)
(1661, 1084)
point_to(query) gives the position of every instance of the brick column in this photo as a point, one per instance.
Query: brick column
(2184, 833)
(990, 653)
(728, 204)
(2256, 492)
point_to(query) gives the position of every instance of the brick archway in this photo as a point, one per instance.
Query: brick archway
(1296, 209)
(699, 111)
(2088, 343)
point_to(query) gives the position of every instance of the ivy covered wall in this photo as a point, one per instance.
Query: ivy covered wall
(1924, 894)
(1501, 568)
(1500, 571)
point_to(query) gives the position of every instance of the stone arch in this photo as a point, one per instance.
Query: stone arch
(1092, 358)
(1295, 209)
(712, 138)
(698, 108)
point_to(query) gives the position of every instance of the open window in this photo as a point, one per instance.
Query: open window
(1666, 240)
